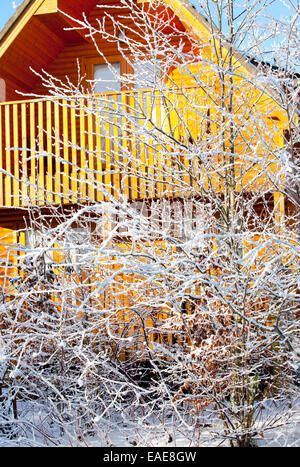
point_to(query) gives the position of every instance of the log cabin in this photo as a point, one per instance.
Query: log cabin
(51, 154)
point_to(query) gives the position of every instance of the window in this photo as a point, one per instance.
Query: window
(146, 73)
(181, 219)
(107, 77)
(184, 220)
(35, 241)
(108, 121)
(76, 246)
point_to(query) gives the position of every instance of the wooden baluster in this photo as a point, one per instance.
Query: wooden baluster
(74, 171)
(178, 102)
(141, 148)
(133, 150)
(57, 181)
(16, 179)
(151, 168)
(8, 178)
(116, 145)
(279, 212)
(82, 129)
(24, 144)
(107, 144)
(160, 164)
(173, 130)
(2, 160)
(40, 163)
(49, 175)
(32, 154)
(99, 160)
(125, 145)
(66, 165)
(91, 148)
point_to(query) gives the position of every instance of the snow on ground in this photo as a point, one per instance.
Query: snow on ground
(281, 428)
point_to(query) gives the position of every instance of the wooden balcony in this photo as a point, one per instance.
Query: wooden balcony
(80, 150)
(131, 144)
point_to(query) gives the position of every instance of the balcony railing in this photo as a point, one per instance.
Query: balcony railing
(78, 150)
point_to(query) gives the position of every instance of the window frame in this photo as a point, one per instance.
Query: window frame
(88, 63)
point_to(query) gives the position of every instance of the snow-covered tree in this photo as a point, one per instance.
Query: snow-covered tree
(174, 294)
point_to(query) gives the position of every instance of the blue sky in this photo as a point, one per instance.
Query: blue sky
(7, 9)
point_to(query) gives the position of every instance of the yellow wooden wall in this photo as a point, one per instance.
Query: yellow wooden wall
(8, 238)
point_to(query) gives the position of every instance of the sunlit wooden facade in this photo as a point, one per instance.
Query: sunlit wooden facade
(55, 131)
